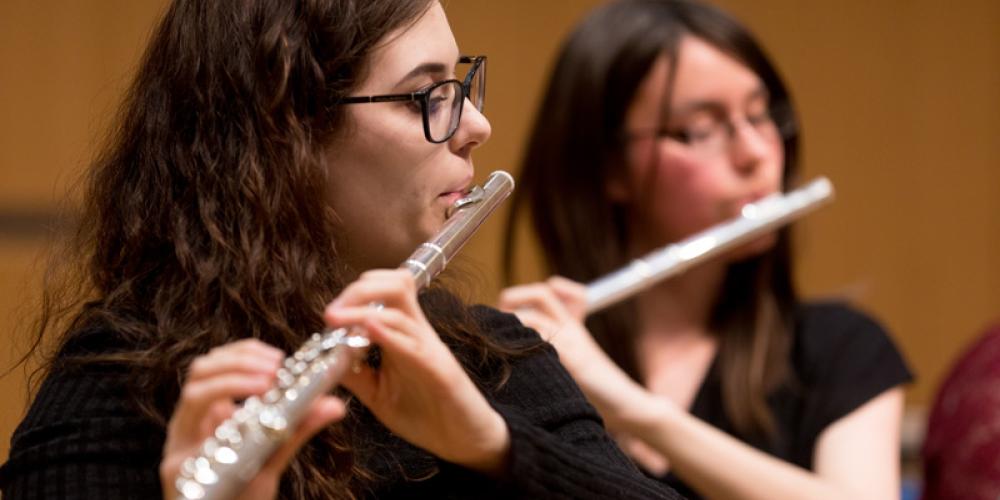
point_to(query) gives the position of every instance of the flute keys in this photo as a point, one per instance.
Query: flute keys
(228, 433)
(307, 354)
(272, 396)
(270, 418)
(285, 377)
(206, 476)
(210, 447)
(329, 342)
(225, 455)
(319, 367)
(190, 489)
(219, 452)
(357, 341)
(296, 367)
(187, 467)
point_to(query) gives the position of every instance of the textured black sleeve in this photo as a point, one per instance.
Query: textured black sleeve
(80, 440)
(559, 447)
(851, 360)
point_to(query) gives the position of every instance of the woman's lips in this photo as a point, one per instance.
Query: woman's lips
(451, 197)
(456, 191)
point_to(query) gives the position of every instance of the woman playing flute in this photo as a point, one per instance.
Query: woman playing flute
(272, 156)
(663, 118)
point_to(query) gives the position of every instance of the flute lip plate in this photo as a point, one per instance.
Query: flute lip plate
(475, 196)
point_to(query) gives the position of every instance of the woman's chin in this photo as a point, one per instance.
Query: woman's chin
(753, 248)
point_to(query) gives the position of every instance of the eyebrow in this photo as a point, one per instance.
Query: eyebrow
(688, 107)
(429, 68)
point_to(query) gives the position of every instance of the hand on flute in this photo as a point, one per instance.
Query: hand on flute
(419, 391)
(556, 309)
(214, 381)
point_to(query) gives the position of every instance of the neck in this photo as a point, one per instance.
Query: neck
(682, 305)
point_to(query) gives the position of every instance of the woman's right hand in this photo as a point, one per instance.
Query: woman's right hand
(419, 391)
(214, 380)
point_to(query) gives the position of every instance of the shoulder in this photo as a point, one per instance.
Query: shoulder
(843, 358)
(836, 321)
(76, 389)
(81, 414)
(506, 328)
(835, 332)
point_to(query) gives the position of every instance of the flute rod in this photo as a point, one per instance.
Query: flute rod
(238, 448)
(754, 220)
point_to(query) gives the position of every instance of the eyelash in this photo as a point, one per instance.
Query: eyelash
(414, 105)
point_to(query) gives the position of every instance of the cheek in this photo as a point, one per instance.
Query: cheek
(777, 165)
(674, 194)
(686, 192)
(659, 174)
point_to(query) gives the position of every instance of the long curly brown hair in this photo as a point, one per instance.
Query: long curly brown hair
(206, 218)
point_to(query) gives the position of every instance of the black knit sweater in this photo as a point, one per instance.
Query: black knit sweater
(82, 438)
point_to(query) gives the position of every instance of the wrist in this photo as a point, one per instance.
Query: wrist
(656, 416)
(621, 401)
(491, 450)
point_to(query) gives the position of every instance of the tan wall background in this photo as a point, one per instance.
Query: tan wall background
(900, 101)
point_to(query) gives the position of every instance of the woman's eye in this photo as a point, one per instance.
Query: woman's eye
(700, 127)
(434, 103)
(759, 112)
(697, 135)
(702, 131)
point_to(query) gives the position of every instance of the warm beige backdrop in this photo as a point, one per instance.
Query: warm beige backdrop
(900, 101)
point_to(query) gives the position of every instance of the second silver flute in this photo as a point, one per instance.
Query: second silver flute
(754, 220)
(240, 445)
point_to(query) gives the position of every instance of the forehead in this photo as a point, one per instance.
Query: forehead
(428, 40)
(705, 73)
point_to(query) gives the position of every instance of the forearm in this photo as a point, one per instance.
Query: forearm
(718, 465)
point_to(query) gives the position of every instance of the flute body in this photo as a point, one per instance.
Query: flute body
(756, 218)
(234, 454)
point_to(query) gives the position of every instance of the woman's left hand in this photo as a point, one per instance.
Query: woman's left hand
(556, 308)
(420, 391)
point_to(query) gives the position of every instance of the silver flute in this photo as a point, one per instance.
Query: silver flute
(755, 219)
(234, 454)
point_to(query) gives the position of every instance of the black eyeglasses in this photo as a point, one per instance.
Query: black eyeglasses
(440, 124)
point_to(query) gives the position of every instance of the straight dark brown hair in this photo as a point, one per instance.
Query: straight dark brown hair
(576, 147)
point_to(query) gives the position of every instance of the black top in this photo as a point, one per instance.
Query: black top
(840, 359)
(81, 438)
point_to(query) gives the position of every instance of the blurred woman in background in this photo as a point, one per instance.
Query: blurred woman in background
(273, 155)
(661, 119)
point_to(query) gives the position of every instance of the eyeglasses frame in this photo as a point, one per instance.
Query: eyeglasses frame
(779, 114)
(478, 64)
